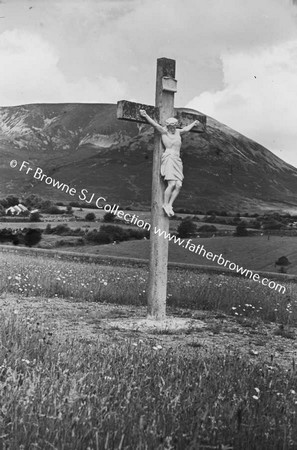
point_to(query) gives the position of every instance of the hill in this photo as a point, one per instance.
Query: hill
(85, 146)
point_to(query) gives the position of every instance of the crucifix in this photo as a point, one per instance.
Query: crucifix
(162, 111)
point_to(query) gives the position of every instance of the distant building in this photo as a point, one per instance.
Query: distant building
(16, 210)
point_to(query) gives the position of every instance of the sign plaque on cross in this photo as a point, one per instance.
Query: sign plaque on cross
(163, 109)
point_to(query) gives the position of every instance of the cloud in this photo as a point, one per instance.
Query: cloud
(259, 97)
(121, 39)
(195, 33)
(102, 51)
(30, 73)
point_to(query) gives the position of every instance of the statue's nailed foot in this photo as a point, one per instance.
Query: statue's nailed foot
(168, 210)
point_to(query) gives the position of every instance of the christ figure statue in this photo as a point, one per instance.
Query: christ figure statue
(171, 163)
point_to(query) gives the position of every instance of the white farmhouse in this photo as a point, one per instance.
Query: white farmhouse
(16, 210)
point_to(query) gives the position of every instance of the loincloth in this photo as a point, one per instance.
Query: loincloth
(171, 167)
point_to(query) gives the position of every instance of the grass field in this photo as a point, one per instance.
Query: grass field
(133, 395)
(126, 391)
(32, 276)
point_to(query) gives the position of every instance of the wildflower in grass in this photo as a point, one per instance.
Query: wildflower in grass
(256, 397)
(157, 347)
(26, 361)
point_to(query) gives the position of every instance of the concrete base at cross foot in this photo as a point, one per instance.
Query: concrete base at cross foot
(169, 324)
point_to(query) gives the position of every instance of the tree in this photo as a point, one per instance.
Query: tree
(12, 200)
(241, 229)
(283, 264)
(32, 237)
(90, 217)
(33, 201)
(186, 228)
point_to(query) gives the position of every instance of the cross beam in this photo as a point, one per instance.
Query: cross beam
(130, 111)
(163, 109)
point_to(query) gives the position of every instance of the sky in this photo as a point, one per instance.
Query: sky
(236, 60)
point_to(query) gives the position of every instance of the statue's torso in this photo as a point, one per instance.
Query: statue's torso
(172, 142)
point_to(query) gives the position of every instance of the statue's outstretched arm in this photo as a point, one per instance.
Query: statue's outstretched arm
(189, 127)
(157, 126)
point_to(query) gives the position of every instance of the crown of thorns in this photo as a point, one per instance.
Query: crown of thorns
(171, 121)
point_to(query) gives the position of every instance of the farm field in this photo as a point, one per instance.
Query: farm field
(72, 377)
(253, 252)
(56, 220)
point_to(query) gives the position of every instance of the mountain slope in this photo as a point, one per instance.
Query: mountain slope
(86, 147)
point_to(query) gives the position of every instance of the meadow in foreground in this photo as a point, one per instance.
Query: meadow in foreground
(135, 395)
(38, 276)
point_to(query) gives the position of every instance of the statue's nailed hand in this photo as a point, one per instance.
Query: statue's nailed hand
(196, 122)
(143, 113)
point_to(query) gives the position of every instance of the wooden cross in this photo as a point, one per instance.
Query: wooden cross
(163, 109)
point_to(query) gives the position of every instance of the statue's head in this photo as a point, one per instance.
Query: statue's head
(171, 123)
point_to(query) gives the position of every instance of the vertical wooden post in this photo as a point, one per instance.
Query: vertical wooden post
(157, 286)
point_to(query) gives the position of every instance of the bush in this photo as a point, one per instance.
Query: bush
(208, 228)
(69, 243)
(255, 224)
(53, 209)
(98, 237)
(241, 229)
(272, 225)
(109, 217)
(77, 232)
(90, 217)
(12, 200)
(61, 229)
(186, 228)
(134, 233)
(6, 235)
(32, 237)
(210, 219)
(48, 229)
(115, 232)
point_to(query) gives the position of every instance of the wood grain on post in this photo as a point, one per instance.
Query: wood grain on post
(157, 286)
